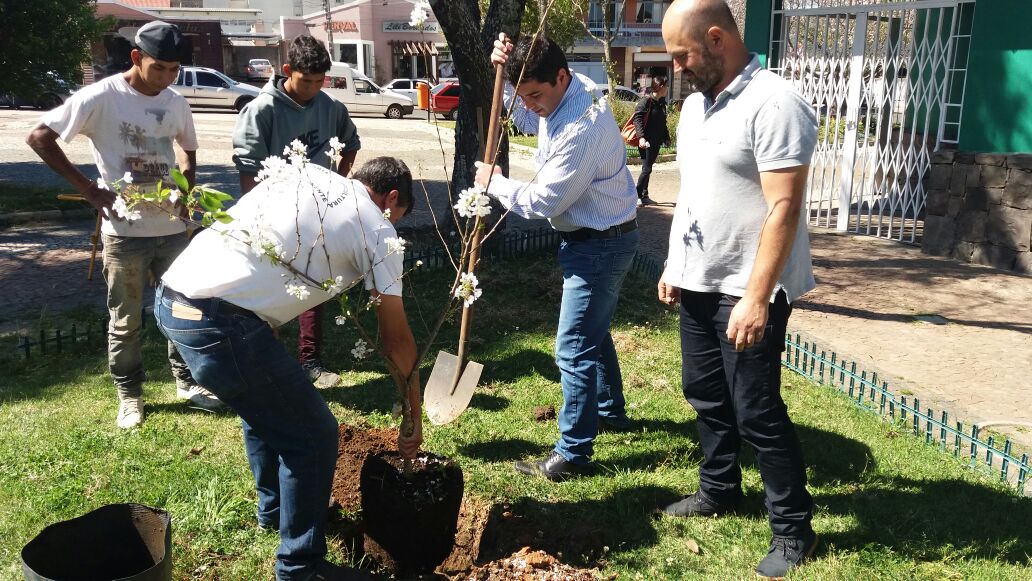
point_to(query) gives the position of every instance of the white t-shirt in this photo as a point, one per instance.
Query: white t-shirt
(130, 132)
(350, 243)
(758, 123)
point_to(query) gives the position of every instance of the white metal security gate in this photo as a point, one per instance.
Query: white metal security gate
(887, 81)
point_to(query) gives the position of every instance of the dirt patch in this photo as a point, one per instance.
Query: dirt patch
(354, 447)
(544, 413)
(529, 565)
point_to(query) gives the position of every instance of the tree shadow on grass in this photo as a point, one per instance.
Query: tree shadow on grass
(505, 450)
(934, 519)
(578, 530)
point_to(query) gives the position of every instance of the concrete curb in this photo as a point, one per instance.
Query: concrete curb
(15, 218)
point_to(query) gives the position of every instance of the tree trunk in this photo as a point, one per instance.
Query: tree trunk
(471, 44)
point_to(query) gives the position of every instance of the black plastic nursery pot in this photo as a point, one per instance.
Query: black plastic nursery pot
(130, 542)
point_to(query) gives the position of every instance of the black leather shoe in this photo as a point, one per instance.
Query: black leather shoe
(331, 572)
(698, 505)
(615, 424)
(785, 554)
(554, 468)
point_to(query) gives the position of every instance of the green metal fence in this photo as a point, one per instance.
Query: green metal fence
(867, 392)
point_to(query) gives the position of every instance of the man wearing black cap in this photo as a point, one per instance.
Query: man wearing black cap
(131, 120)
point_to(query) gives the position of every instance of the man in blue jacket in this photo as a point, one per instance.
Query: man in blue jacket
(288, 109)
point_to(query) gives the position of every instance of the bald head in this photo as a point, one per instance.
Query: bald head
(703, 40)
(692, 18)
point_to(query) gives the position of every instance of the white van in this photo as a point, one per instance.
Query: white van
(361, 95)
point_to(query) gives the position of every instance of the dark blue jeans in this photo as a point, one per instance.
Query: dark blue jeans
(593, 271)
(289, 433)
(737, 396)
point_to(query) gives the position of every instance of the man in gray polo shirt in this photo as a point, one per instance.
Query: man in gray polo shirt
(739, 256)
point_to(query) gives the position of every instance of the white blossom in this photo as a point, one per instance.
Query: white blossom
(123, 211)
(340, 320)
(272, 167)
(395, 245)
(468, 289)
(299, 291)
(335, 286)
(174, 195)
(102, 184)
(419, 263)
(387, 214)
(298, 160)
(373, 302)
(419, 14)
(473, 202)
(335, 144)
(295, 148)
(128, 177)
(361, 350)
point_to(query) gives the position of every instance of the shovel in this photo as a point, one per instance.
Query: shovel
(451, 384)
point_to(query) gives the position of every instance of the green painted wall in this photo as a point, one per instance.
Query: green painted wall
(998, 97)
(757, 27)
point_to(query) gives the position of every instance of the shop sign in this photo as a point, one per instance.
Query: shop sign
(342, 26)
(403, 26)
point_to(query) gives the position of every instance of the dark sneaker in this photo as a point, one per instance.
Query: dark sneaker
(615, 424)
(645, 201)
(554, 467)
(319, 375)
(786, 553)
(698, 505)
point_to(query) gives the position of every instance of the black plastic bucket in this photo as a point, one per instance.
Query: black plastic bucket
(117, 541)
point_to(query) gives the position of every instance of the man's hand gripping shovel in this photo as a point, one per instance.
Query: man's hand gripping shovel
(451, 384)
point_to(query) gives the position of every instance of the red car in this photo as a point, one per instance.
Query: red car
(444, 99)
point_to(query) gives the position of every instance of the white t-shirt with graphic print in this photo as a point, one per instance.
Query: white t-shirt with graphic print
(130, 132)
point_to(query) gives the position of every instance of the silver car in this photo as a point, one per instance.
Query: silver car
(204, 87)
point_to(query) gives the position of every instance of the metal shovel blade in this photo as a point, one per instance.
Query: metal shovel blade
(442, 403)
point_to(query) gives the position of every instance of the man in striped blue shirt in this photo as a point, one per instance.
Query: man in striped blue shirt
(585, 191)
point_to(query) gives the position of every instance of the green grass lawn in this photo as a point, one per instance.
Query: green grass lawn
(29, 198)
(887, 506)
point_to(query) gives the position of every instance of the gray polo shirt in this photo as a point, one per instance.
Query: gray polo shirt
(758, 123)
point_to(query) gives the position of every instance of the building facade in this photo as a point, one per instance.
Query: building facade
(376, 39)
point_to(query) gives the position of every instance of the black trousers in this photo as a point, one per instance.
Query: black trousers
(648, 157)
(737, 396)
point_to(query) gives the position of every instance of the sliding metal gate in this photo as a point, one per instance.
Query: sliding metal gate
(887, 81)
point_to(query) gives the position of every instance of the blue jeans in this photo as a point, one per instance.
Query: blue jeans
(128, 261)
(289, 433)
(593, 271)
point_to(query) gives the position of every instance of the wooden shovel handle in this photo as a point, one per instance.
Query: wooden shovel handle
(490, 149)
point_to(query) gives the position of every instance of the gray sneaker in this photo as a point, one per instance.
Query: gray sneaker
(130, 413)
(320, 377)
(786, 553)
(197, 396)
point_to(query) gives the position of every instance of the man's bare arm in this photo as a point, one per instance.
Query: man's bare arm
(43, 140)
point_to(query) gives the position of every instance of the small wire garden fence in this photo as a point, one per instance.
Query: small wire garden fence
(863, 388)
(867, 392)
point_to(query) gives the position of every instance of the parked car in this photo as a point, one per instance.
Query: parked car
(259, 69)
(407, 87)
(204, 87)
(50, 92)
(622, 93)
(444, 99)
(362, 95)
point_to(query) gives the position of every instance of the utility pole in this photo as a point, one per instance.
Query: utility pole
(329, 31)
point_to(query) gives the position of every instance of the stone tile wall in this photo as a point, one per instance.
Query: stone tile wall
(980, 209)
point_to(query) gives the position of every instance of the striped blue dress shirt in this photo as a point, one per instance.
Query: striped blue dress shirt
(583, 180)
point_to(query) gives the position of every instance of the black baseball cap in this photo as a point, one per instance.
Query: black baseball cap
(161, 40)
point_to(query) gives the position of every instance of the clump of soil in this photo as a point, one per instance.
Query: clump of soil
(411, 517)
(528, 565)
(354, 447)
(543, 413)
